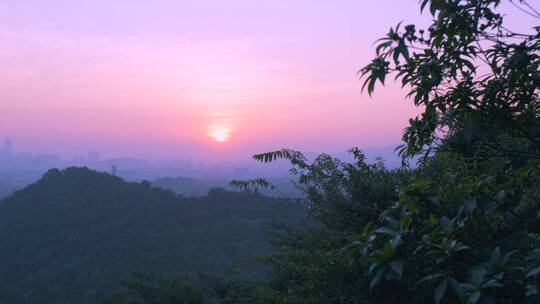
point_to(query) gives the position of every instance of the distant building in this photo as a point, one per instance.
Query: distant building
(93, 156)
(79, 160)
(46, 161)
(113, 171)
(8, 145)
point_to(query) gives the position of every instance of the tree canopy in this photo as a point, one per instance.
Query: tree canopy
(76, 233)
(463, 225)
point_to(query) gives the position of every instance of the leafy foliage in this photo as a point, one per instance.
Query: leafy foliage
(159, 289)
(463, 227)
(476, 79)
(77, 232)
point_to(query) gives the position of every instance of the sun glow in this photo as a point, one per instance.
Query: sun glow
(220, 134)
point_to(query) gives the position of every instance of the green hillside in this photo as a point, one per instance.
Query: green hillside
(77, 232)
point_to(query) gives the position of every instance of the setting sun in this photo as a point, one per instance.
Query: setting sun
(220, 134)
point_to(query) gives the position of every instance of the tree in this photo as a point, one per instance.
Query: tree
(463, 226)
(477, 80)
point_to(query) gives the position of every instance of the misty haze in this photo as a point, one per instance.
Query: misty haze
(269, 152)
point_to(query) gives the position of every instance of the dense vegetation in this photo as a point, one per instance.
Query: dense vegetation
(189, 186)
(463, 226)
(77, 232)
(6, 189)
(198, 187)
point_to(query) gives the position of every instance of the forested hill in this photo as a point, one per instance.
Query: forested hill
(77, 232)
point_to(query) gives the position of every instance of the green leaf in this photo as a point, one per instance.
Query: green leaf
(440, 290)
(431, 277)
(376, 279)
(372, 267)
(386, 230)
(456, 287)
(478, 276)
(397, 267)
(447, 223)
(534, 272)
(473, 298)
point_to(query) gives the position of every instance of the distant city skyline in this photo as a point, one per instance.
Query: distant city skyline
(207, 80)
(19, 168)
(95, 156)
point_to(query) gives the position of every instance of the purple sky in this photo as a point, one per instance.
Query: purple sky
(161, 78)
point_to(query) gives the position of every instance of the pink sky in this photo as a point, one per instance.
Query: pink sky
(154, 78)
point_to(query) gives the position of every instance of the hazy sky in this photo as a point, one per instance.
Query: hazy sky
(160, 78)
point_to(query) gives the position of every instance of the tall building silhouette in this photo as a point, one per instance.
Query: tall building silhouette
(8, 145)
(93, 156)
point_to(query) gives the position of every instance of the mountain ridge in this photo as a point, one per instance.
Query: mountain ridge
(77, 232)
